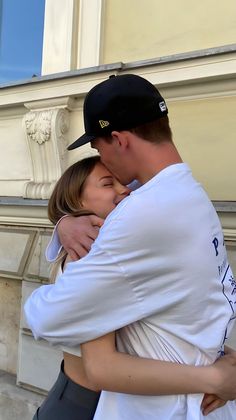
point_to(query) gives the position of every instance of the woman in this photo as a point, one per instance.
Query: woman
(87, 187)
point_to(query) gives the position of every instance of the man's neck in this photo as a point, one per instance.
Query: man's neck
(155, 158)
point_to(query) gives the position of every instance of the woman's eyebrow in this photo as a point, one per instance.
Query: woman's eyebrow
(106, 177)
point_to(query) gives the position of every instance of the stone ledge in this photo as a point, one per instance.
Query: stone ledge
(16, 403)
(120, 66)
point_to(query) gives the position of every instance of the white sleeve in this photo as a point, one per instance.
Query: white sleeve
(88, 300)
(100, 293)
(113, 286)
(54, 246)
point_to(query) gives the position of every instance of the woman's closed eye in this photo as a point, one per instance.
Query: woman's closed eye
(108, 184)
(107, 181)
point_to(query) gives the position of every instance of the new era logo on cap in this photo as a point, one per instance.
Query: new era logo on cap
(103, 123)
(120, 103)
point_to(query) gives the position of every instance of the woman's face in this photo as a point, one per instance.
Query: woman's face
(102, 192)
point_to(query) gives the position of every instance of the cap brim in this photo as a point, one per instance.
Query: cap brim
(81, 141)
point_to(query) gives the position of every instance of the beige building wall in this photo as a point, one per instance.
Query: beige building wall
(186, 49)
(204, 130)
(139, 30)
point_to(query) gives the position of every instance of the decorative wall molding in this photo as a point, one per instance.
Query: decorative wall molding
(38, 126)
(201, 75)
(19, 247)
(230, 235)
(25, 221)
(89, 33)
(46, 135)
(17, 211)
(22, 255)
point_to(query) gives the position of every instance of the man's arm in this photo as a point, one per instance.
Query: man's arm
(97, 294)
(77, 234)
(88, 300)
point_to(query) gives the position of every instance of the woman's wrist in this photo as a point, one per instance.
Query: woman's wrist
(219, 379)
(209, 379)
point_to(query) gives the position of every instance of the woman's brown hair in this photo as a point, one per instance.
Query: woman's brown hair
(66, 197)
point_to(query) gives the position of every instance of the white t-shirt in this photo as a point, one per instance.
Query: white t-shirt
(158, 269)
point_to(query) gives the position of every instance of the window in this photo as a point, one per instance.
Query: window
(21, 39)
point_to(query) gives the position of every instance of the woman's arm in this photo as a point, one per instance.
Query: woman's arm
(110, 370)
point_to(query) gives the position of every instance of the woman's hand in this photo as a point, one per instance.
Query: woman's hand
(224, 376)
(211, 402)
(229, 350)
(77, 234)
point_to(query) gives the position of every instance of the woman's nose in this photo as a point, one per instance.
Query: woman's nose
(124, 190)
(122, 193)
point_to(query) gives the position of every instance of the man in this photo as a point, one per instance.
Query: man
(158, 268)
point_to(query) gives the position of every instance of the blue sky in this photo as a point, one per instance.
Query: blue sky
(21, 39)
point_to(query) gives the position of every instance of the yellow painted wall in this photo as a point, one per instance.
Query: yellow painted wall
(144, 29)
(205, 133)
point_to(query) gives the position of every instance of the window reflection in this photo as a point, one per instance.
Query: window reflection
(21, 39)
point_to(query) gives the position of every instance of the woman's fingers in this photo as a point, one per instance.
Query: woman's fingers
(210, 403)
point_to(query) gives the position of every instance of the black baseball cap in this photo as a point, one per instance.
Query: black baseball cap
(119, 103)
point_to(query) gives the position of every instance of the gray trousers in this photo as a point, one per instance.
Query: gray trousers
(68, 401)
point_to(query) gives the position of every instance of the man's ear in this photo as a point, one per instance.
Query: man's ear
(120, 139)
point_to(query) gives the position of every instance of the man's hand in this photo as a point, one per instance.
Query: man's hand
(77, 234)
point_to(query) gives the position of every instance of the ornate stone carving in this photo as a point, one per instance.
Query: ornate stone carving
(38, 126)
(46, 134)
